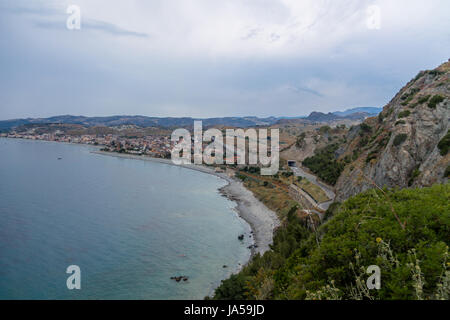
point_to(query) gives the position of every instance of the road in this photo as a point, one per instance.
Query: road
(299, 172)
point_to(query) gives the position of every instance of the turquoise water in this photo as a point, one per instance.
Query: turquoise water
(128, 224)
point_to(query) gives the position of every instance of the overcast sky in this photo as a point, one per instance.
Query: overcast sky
(207, 58)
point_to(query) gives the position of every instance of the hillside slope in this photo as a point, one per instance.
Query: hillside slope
(404, 232)
(407, 144)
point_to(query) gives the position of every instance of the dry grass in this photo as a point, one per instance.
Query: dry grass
(273, 195)
(313, 190)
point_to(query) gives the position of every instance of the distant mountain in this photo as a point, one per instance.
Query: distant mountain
(333, 116)
(141, 121)
(372, 111)
(321, 117)
(170, 122)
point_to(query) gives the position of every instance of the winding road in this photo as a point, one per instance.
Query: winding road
(299, 172)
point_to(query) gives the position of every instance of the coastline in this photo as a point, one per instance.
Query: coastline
(261, 219)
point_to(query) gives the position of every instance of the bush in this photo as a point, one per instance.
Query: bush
(325, 165)
(423, 99)
(444, 144)
(360, 232)
(325, 129)
(435, 101)
(404, 114)
(300, 140)
(372, 155)
(287, 239)
(363, 231)
(399, 139)
(233, 288)
(414, 174)
(287, 174)
(365, 127)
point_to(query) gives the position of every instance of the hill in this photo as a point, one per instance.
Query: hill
(369, 110)
(404, 232)
(407, 144)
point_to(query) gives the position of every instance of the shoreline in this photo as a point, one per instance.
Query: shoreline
(261, 219)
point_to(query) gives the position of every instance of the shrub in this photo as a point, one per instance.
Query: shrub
(324, 164)
(407, 97)
(419, 75)
(400, 122)
(233, 288)
(360, 232)
(365, 127)
(300, 140)
(414, 174)
(363, 231)
(404, 114)
(435, 101)
(423, 99)
(444, 144)
(372, 155)
(435, 72)
(399, 139)
(324, 129)
(287, 174)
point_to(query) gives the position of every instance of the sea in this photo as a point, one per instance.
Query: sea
(128, 225)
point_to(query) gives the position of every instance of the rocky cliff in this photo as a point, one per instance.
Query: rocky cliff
(407, 144)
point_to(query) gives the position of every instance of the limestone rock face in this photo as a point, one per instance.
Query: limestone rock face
(400, 148)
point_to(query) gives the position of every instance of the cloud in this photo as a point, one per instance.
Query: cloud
(93, 25)
(213, 58)
(307, 90)
(53, 16)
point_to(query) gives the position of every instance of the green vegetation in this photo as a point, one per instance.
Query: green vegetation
(400, 122)
(435, 101)
(365, 128)
(419, 75)
(400, 138)
(404, 232)
(447, 172)
(325, 165)
(436, 72)
(314, 191)
(300, 140)
(287, 174)
(407, 97)
(372, 155)
(414, 174)
(256, 280)
(253, 170)
(444, 144)
(404, 114)
(423, 99)
(269, 190)
(325, 129)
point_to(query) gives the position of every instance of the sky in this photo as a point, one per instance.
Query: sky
(213, 58)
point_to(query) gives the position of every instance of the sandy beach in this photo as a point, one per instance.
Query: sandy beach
(261, 219)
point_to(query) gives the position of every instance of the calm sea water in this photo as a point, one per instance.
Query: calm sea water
(128, 224)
